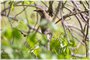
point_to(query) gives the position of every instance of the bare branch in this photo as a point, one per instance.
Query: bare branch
(68, 15)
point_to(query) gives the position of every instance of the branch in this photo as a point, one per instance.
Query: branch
(78, 55)
(68, 15)
(57, 10)
(35, 29)
(9, 17)
(36, 6)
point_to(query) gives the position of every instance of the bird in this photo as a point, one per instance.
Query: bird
(44, 21)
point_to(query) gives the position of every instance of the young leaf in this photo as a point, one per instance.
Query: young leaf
(16, 33)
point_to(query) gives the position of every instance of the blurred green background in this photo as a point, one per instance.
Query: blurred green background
(14, 45)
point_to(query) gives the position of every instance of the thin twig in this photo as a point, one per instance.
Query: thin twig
(57, 10)
(20, 12)
(68, 15)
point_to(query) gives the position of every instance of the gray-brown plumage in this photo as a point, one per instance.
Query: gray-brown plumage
(44, 21)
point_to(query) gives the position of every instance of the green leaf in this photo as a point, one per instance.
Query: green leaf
(37, 52)
(4, 55)
(8, 32)
(61, 56)
(67, 51)
(5, 43)
(12, 6)
(16, 33)
(7, 53)
(22, 26)
(65, 42)
(55, 46)
(72, 43)
(11, 3)
(31, 39)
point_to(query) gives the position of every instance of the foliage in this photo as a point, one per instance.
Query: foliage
(22, 39)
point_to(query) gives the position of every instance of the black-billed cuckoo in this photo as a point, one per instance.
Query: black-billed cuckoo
(44, 21)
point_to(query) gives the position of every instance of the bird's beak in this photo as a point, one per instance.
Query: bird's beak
(36, 10)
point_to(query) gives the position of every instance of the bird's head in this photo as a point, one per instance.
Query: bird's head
(41, 12)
